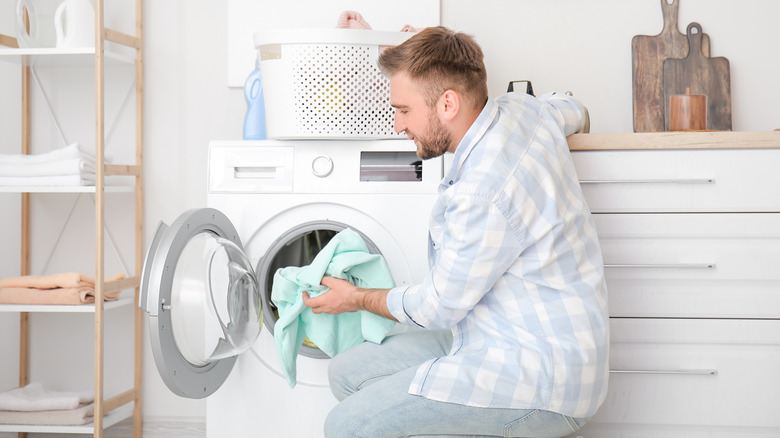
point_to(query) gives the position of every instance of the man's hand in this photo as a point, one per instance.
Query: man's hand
(343, 296)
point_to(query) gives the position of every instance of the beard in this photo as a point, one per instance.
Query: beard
(437, 139)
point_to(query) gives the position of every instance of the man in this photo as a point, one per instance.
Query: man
(515, 301)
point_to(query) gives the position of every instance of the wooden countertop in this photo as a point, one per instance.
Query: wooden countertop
(676, 140)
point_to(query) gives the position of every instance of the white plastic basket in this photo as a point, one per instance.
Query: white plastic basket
(325, 83)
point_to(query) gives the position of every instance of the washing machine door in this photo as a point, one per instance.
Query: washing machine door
(202, 299)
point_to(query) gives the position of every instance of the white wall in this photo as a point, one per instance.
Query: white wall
(585, 47)
(561, 45)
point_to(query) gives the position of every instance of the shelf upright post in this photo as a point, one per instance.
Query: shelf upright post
(24, 317)
(99, 216)
(139, 215)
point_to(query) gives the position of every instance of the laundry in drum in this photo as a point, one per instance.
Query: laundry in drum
(345, 256)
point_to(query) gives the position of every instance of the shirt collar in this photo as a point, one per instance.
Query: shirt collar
(474, 134)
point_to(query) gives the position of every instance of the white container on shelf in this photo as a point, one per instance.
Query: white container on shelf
(325, 83)
(35, 23)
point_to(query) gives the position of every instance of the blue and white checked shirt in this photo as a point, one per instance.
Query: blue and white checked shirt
(516, 268)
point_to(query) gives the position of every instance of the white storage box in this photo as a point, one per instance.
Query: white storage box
(325, 83)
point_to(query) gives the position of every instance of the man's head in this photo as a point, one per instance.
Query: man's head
(438, 85)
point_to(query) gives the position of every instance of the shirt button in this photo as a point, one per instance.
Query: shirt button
(450, 182)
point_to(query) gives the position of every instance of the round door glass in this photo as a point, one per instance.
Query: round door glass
(215, 300)
(297, 247)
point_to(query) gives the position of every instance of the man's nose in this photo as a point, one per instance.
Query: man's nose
(399, 124)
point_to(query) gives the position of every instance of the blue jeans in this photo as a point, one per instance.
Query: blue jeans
(371, 382)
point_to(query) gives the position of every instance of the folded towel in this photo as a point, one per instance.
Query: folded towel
(82, 415)
(346, 256)
(80, 289)
(52, 181)
(66, 166)
(410, 28)
(34, 397)
(352, 20)
(61, 296)
(64, 279)
(71, 151)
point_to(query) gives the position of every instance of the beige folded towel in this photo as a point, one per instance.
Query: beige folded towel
(82, 415)
(65, 289)
(35, 397)
(352, 20)
(65, 279)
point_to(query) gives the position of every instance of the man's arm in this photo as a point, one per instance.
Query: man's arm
(572, 115)
(343, 296)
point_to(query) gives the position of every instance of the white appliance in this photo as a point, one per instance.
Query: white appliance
(274, 202)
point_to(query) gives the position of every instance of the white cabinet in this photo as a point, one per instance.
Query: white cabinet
(111, 47)
(685, 377)
(679, 180)
(692, 265)
(689, 226)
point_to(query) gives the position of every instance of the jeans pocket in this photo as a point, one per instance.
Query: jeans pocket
(541, 423)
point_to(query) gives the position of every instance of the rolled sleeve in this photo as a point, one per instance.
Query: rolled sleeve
(570, 113)
(395, 304)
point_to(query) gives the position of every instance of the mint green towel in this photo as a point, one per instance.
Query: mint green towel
(346, 256)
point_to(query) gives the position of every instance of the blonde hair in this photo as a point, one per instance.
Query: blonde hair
(438, 59)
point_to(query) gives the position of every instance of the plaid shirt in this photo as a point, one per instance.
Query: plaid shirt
(516, 269)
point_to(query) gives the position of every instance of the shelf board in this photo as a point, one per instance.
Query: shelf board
(40, 57)
(80, 308)
(109, 420)
(676, 140)
(64, 189)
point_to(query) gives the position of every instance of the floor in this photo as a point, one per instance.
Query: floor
(153, 428)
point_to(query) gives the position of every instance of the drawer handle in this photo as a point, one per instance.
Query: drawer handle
(650, 181)
(677, 372)
(663, 266)
(255, 172)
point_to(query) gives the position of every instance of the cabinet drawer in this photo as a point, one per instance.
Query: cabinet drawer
(679, 180)
(692, 265)
(692, 378)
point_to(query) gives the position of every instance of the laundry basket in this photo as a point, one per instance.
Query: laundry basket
(325, 83)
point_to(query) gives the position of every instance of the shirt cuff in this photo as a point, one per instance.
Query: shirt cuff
(395, 304)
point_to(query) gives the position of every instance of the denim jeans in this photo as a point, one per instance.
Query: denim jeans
(371, 381)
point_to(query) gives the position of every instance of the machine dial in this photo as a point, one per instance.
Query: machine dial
(322, 166)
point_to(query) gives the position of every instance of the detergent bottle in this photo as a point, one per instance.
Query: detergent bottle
(74, 24)
(35, 23)
(254, 122)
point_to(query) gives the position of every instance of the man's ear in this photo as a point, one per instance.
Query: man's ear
(449, 105)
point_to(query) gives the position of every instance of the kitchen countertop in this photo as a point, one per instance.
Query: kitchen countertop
(676, 140)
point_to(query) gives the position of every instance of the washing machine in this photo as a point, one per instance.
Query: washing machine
(207, 277)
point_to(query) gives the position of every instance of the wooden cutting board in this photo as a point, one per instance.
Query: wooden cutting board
(648, 54)
(704, 75)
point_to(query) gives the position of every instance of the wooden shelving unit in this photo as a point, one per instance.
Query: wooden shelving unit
(107, 412)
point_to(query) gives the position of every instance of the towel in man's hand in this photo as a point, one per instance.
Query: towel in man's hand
(346, 256)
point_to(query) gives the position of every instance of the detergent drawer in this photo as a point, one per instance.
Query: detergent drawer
(692, 378)
(691, 265)
(724, 180)
(251, 167)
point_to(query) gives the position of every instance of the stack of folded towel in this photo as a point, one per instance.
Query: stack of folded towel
(34, 404)
(68, 166)
(65, 288)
